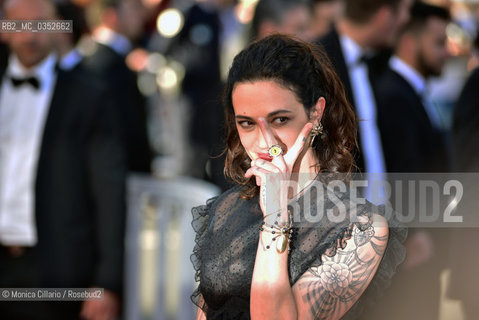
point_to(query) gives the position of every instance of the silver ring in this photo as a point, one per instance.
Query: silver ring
(275, 150)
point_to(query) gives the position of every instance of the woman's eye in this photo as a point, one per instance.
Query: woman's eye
(245, 124)
(280, 120)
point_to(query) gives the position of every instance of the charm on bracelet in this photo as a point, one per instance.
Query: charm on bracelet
(281, 235)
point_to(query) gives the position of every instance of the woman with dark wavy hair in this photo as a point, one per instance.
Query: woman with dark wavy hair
(290, 241)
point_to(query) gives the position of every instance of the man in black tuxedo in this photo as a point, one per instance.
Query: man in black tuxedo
(410, 125)
(120, 24)
(367, 27)
(62, 179)
(414, 142)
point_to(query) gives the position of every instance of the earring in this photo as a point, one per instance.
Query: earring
(315, 131)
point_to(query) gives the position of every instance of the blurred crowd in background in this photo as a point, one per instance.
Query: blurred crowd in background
(161, 64)
(180, 52)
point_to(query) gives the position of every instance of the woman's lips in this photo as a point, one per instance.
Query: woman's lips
(264, 156)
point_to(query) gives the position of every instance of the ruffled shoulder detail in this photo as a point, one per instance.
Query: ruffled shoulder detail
(200, 223)
(202, 218)
(394, 255)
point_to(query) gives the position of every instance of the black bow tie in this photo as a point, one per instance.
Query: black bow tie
(34, 82)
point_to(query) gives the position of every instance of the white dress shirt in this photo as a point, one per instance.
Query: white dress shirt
(23, 112)
(418, 83)
(370, 139)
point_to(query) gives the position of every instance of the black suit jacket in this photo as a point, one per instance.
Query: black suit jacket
(466, 126)
(80, 189)
(376, 65)
(411, 145)
(410, 142)
(463, 279)
(110, 67)
(4, 52)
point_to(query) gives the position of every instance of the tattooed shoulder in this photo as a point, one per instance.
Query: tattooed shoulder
(330, 290)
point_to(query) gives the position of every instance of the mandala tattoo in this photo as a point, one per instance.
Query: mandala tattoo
(333, 287)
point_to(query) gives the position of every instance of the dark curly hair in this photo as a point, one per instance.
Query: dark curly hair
(306, 70)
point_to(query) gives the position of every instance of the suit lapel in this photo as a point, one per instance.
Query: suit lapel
(420, 110)
(54, 116)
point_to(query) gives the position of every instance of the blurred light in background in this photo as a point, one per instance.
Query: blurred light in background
(154, 62)
(459, 40)
(147, 84)
(170, 76)
(149, 239)
(245, 10)
(137, 59)
(201, 34)
(158, 72)
(170, 22)
(167, 78)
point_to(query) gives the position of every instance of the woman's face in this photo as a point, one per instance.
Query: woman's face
(280, 108)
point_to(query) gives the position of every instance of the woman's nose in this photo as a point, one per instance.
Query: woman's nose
(262, 144)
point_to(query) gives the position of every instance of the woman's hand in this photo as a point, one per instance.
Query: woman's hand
(273, 177)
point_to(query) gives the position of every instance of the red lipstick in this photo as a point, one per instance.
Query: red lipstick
(264, 156)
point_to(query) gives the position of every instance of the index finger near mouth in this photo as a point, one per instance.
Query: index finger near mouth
(267, 133)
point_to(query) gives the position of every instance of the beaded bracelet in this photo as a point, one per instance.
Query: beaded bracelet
(284, 234)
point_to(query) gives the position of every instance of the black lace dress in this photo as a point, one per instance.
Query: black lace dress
(227, 235)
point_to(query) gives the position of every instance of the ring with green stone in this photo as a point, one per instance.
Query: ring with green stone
(275, 150)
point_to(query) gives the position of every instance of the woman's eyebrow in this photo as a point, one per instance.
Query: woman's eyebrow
(243, 117)
(271, 114)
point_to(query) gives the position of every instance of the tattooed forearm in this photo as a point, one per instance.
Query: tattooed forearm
(330, 289)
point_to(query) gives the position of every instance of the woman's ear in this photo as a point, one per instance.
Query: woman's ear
(318, 109)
